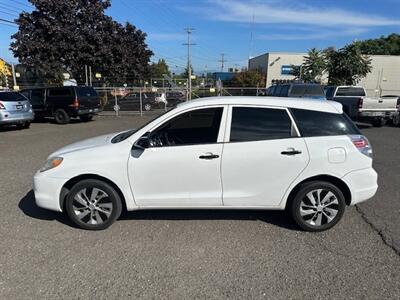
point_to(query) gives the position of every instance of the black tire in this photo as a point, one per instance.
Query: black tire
(378, 122)
(61, 116)
(86, 218)
(396, 120)
(301, 202)
(24, 125)
(147, 107)
(86, 118)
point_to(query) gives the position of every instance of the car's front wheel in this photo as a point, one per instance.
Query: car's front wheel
(317, 206)
(93, 204)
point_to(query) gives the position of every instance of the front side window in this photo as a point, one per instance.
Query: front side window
(318, 123)
(37, 97)
(255, 124)
(199, 126)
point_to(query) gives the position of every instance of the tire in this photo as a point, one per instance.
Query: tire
(24, 125)
(396, 120)
(86, 118)
(147, 107)
(317, 217)
(378, 122)
(61, 116)
(87, 213)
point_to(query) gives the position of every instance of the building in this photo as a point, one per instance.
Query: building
(384, 78)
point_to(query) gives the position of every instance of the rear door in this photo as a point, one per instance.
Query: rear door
(88, 98)
(263, 154)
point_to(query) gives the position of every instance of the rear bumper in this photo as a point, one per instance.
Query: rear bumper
(88, 111)
(377, 114)
(15, 117)
(363, 184)
(47, 191)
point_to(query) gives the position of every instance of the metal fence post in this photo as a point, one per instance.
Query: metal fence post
(116, 103)
(141, 104)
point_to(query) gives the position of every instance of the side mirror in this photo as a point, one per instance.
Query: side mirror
(142, 143)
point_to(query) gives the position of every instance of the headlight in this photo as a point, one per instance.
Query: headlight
(51, 163)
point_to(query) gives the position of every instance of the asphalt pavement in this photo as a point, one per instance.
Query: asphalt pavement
(182, 254)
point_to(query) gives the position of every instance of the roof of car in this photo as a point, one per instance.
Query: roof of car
(300, 103)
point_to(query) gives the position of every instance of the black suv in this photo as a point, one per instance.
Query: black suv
(64, 103)
(297, 90)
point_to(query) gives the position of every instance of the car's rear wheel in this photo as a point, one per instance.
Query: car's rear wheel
(24, 125)
(61, 116)
(317, 206)
(93, 204)
(147, 107)
(379, 122)
(86, 118)
(396, 120)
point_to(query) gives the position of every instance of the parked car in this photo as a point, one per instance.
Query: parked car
(359, 107)
(297, 90)
(306, 156)
(396, 117)
(15, 109)
(174, 98)
(64, 103)
(131, 102)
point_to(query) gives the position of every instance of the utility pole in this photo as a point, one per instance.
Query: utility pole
(90, 75)
(86, 76)
(222, 61)
(189, 66)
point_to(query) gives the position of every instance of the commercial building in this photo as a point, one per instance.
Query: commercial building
(384, 78)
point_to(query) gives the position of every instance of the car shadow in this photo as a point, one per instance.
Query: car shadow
(278, 218)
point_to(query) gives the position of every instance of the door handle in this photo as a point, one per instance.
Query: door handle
(209, 156)
(291, 151)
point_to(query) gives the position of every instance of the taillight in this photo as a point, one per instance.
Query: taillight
(75, 104)
(2, 106)
(362, 144)
(360, 103)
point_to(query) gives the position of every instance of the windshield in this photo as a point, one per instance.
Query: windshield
(124, 135)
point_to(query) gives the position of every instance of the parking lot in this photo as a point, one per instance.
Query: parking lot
(191, 254)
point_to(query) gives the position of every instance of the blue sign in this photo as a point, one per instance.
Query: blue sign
(287, 69)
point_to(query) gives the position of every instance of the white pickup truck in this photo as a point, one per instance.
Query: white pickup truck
(359, 107)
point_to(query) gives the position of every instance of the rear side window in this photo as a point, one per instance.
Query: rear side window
(284, 91)
(350, 91)
(317, 123)
(255, 124)
(297, 90)
(62, 92)
(277, 91)
(86, 92)
(11, 96)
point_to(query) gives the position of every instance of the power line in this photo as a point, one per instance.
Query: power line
(189, 66)
(7, 21)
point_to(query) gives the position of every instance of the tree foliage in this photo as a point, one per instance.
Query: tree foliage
(347, 65)
(159, 69)
(249, 78)
(59, 36)
(314, 66)
(385, 45)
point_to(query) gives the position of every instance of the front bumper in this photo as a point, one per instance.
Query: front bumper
(15, 117)
(363, 184)
(47, 191)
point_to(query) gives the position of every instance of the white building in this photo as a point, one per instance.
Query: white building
(383, 79)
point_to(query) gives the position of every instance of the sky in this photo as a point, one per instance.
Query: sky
(237, 28)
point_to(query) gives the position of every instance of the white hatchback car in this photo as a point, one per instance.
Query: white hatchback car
(305, 156)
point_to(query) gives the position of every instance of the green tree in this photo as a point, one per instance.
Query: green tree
(385, 45)
(250, 78)
(157, 70)
(67, 35)
(314, 66)
(347, 65)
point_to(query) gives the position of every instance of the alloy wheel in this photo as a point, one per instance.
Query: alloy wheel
(92, 206)
(319, 207)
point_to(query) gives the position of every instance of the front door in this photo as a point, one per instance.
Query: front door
(262, 156)
(182, 165)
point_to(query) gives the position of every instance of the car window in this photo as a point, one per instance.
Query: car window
(297, 90)
(199, 126)
(256, 123)
(11, 97)
(86, 92)
(60, 92)
(317, 123)
(284, 91)
(37, 97)
(277, 91)
(350, 91)
(329, 92)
